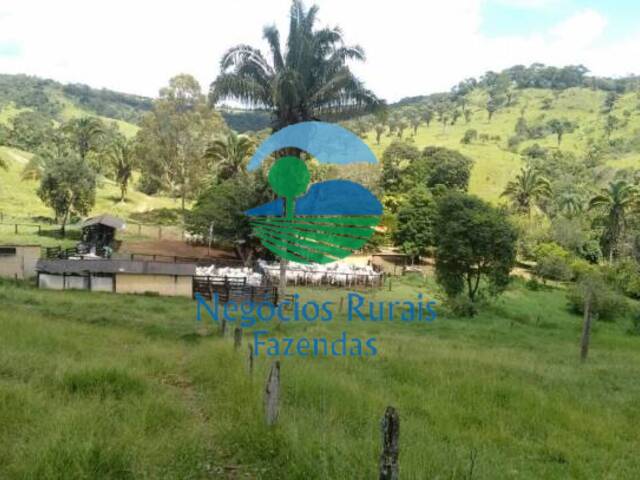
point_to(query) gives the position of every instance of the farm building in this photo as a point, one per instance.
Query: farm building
(119, 276)
(100, 232)
(19, 261)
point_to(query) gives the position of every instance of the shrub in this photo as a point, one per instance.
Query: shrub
(462, 306)
(552, 262)
(606, 303)
(469, 136)
(625, 276)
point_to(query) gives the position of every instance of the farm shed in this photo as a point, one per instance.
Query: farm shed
(100, 231)
(18, 261)
(119, 276)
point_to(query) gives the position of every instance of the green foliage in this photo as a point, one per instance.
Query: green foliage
(443, 167)
(395, 160)
(625, 276)
(229, 155)
(606, 303)
(553, 262)
(294, 85)
(414, 231)
(528, 188)
(470, 136)
(223, 205)
(30, 130)
(474, 242)
(173, 137)
(68, 186)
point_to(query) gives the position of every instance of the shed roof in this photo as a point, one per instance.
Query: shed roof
(104, 219)
(115, 266)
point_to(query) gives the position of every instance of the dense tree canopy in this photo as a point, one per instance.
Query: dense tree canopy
(474, 242)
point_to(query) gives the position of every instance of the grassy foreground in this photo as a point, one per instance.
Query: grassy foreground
(107, 386)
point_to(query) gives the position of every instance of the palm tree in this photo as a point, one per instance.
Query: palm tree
(528, 188)
(230, 155)
(571, 204)
(83, 132)
(614, 203)
(122, 160)
(310, 80)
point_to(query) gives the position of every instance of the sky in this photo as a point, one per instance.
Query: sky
(413, 47)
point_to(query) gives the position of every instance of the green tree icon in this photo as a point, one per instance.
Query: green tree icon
(289, 178)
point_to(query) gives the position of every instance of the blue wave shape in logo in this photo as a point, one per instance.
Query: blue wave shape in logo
(327, 142)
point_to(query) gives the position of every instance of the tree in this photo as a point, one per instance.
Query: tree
(614, 203)
(401, 126)
(528, 188)
(221, 207)
(68, 186)
(474, 242)
(441, 166)
(560, 126)
(173, 137)
(492, 106)
(395, 160)
(427, 115)
(310, 80)
(30, 130)
(83, 134)
(414, 233)
(415, 121)
(230, 155)
(122, 162)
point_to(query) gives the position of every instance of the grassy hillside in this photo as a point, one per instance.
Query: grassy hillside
(496, 164)
(109, 386)
(18, 197)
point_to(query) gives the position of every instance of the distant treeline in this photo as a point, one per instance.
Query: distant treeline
(246, 120)
(539, 75)
(44, 95)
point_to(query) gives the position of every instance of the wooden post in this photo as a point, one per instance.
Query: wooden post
(223, 327)
(389, 467)
(250, 359)
(341, 304)
(272, 394)
(159, 232)
(237, 338)
(139, 229)
(16, 228)
(586, 328)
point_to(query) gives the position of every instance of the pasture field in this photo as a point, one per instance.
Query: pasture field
(119, 386)
(495, 164)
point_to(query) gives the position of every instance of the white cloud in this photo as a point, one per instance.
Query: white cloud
(413, 47)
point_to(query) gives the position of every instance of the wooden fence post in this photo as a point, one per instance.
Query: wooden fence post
(272, 394)
(159, 232)
(586, 328)
(389, 467)
(237, 338)
(223, 327)
(250, 359)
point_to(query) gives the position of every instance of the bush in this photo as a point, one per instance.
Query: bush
(625, 276)
(469, 136)
(462, 306)
(552, 262)
(606, 303)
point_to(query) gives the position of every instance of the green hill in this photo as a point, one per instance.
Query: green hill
(496, 163)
